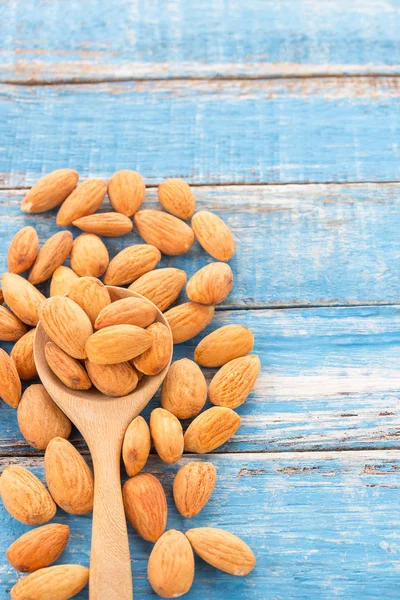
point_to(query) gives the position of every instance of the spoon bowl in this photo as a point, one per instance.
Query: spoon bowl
(102, 421)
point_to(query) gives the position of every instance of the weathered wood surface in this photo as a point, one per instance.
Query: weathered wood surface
(288, 130)
(297, 245)
(91, 40)
(330, 380)
(322, 525)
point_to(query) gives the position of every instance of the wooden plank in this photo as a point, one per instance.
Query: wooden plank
(320, 244)
(322, 525)
(90, 40)
(271, 131)
(330, 380)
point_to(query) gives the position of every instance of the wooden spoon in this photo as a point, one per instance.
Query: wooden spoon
(102, 421)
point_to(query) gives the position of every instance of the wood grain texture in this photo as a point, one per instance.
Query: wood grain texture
(90, 40)
(323, 525)
(271, 131)
(329, 380)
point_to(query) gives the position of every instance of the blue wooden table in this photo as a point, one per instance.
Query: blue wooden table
(285, 117)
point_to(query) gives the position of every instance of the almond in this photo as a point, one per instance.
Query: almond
(38, 548)
(23, 250)
(61, 281)
(211, 429)
(67, 324)
(193, 485)
(224, 344)
(167, 435)
(234, 381)
(10, 383)
(67, 369)
(131, 263)
(113, 380)
(109, 224)
(53, 583)
(25, 497)
(162, 287)
(167, 233)
(210, 285)
(52, 254)
(22, 354)
(213, 235)
(145, 506)
(1, 296)
(11, 328)
(40, 419)
(69, 479)
(91, 295)
(84, 200)
(116, 344)
(177, 198)
(50, 191)
(136, 446)
(126, 190)
(222, 550)
(22, 297)
(89, 256)
(184, 390)
(158, 356)
(188, 319)
(128, 311)
(171, 565)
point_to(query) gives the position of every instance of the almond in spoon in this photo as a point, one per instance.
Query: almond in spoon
(10, 383)
(157, 357)
(113, 380)
(128, 311)
(117, 344)
(91, 295)
(67, 369)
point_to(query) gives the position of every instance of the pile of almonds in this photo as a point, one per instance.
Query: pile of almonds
(111, 346)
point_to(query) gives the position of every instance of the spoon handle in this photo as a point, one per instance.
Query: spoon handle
(110, 565)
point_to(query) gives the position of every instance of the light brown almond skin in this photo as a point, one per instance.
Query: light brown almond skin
(91, 295)
(38, 548)
(184, 390)
(211, 429)
(109, 224)
(188, 319)
(25, 497)
(211, 284)
(145, 506)
(67, 324)
(84, 200)
(224, 344)
(126, 190)
(131, 263)
(59, 582)
(22, 298)
(166, 432)
(222, 550)
(51, 255)
(213, 235)
(10, 383)
(117, 344)
(157, 357)
(131, 311)
(69, 479)
(40, 419)
(50, 191)
(61, 281)
(171, 565)
(136, 446)
(67, 369)
(89, 256)
(232, 384)
(193, 485)
(166, 232)
(177, 198)
(162, 287)
(11, 328)
(23, 250)
(22, 354)
(113, 380)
